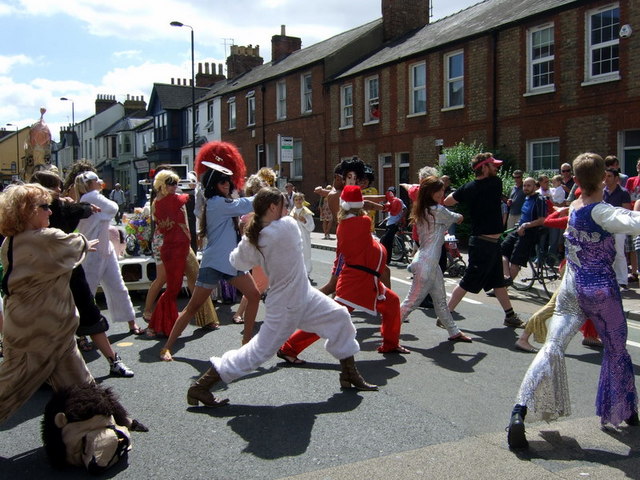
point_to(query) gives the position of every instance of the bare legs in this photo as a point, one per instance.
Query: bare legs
(154, 291)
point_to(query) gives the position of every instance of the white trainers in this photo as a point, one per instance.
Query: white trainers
(119, 369)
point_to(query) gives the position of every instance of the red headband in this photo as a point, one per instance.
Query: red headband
(488, 160)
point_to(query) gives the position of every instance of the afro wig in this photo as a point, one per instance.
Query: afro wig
(225, 154)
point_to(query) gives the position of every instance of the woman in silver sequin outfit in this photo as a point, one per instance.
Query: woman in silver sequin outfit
(589, 289)
(432, 220)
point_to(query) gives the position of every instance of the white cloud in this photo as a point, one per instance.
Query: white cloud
(127, 54)
(7, 62)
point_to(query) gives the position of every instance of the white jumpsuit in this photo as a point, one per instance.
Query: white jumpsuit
(101, 267)
(292, 303)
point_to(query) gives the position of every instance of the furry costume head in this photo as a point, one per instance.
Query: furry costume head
(83, 426)
(224, 154)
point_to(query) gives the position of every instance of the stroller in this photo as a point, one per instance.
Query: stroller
(456, 266)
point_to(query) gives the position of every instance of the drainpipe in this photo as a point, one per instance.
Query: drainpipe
(263, 89)
(494, 87)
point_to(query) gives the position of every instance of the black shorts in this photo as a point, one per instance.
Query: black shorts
(485, 266)
(519, 249)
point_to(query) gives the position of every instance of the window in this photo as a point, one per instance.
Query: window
(305, 89)
(540, 56)
(251, 108)
(209, 125)
(281, 100)
(231, 102)
(544, 154)
(126, 143)
(454, 80)
(160, 126)
(197, 127)
(602, 43)
(346, 106)
(296, 166)
(371, 100)
(418, 88)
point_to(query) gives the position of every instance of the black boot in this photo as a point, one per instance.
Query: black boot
(516, 437)
(633, 420)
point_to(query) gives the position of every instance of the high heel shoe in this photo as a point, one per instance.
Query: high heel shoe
(199, 391)
(350, 377)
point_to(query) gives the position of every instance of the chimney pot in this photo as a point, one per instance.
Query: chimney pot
(283, 29)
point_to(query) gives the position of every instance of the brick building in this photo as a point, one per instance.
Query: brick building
(537, 81)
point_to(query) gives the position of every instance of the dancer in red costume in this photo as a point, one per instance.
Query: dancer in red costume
(359, 286)
(170, 218)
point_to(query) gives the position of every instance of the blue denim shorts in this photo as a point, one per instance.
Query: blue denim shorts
(209, 277)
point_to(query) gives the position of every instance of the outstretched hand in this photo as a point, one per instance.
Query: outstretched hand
(92, 244)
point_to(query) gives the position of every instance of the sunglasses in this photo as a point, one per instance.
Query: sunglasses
(565, 171)
(171, 183)
(44, 206)
(224, 179)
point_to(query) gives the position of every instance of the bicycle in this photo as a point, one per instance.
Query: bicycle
(402, 244)
(542, 269)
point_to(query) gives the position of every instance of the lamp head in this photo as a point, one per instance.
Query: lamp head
(176, 24)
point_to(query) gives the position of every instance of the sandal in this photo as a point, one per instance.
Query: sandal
(592, 342)
(398, 349)
(136, 331)
(165, 355)
(290, 359)
(146, 316)
(150, 332)
(461, 337)
(210, 327)
(84, 344)
(526, 348)
(237, 319)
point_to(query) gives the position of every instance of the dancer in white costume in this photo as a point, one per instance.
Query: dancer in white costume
(101, 267)
(273, 242)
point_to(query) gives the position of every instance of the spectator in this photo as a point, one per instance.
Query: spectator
(396, 209)
(611, 161)
(520, 244)
(290, 191)
(483, 196)
(516, 199)
(118, 196)
(567, 179)
(633, 184)
(617, 196)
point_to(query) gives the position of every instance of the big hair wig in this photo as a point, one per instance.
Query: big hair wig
(225, 154)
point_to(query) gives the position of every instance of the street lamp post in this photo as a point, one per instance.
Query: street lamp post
(17, 146)
(193, 92)
(73, 125)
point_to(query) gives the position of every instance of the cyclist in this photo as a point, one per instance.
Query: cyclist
(520, 244)
(396, 209)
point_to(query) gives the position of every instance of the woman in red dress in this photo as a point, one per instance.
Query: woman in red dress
(170, 216)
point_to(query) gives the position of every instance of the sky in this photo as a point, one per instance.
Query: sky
(81, 48)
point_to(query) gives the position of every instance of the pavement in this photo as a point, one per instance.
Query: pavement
(630, 296)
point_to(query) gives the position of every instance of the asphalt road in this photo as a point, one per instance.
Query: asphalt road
(444, 404)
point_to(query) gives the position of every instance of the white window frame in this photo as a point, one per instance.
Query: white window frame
(416, 88)
(449, 81)
(281, 100)
(210, 124)
(346, 109)
(231, 104)
(590, 48)
(251, 108)
(548, 59)
(371, 99)
(552, 164)
(296, 165)
(306, 91)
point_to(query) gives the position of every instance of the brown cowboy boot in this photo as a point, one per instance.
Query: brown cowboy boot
(351, 377)
(199, 391)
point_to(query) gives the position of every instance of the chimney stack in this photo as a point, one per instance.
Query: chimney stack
(242, 60)
(400, 17)
(282, 46)
(104, 102)
(209, 77)
(134, 104)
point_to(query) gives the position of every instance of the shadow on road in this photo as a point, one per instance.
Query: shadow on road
(282, 431)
